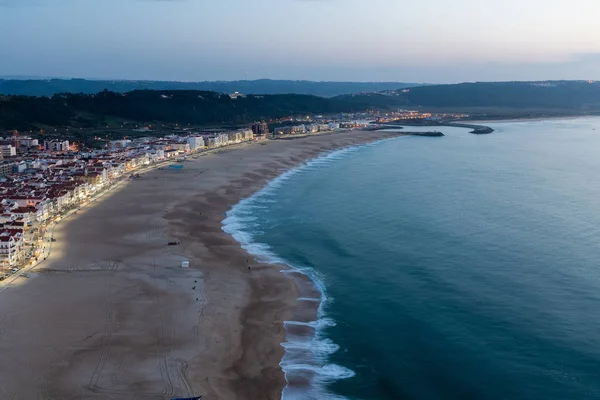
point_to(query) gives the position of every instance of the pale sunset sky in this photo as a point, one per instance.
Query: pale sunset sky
(435, 41)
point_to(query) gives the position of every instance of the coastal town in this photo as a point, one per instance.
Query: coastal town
(38, 187)
(41, 180)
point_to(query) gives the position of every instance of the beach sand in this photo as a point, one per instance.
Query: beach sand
(112, 315)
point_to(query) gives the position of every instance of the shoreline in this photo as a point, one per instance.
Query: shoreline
(303, 362)
(305, 300)
(121, 317)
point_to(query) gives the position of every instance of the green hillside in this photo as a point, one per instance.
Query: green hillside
(566, 95)
(183, 107)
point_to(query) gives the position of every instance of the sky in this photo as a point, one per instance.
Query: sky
(434, 41)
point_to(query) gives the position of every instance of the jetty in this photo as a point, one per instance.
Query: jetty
(425, 134)
(476, 129)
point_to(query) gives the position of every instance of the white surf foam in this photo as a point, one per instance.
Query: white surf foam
(304, 358)
(311, 299)
(321, 323)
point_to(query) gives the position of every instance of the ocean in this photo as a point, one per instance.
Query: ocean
(461, 267)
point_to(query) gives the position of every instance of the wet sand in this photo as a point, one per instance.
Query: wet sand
(112, 315)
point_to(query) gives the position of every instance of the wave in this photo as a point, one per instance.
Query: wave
(305, 361)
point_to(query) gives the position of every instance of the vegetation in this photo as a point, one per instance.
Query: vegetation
(145, 106)
(204, 108)
(578, 96)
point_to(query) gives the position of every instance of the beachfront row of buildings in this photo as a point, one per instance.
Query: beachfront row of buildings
(36, 188)
(319, 127)
(307, 128)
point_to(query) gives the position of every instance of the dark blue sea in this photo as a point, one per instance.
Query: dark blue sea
(462, 267)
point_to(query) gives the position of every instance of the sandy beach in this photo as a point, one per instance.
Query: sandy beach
(112, 315)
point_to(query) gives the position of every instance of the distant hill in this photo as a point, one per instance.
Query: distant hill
(580, 96)
(150, 106)
(487, 100)
(49, 87)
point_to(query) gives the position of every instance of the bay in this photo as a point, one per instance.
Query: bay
(462, 267)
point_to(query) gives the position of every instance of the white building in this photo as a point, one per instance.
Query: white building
(248, 134)
(8, 150)
(156, 155)
(20, 166)
(56, 145)
(195, 142)
(33, 164)
(28, 142)
(182, 147)
(234, 137)
(26, 214)
(119, 144)
(11, 247)
(222, 140)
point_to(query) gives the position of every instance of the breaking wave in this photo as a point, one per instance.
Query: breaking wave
(305, 362)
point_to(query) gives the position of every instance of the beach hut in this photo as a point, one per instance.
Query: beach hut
(185, 264)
